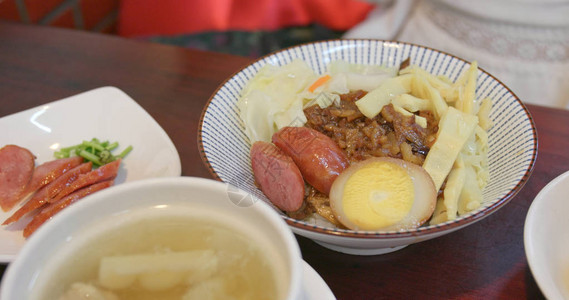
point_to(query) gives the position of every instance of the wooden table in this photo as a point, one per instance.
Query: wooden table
(483, 261)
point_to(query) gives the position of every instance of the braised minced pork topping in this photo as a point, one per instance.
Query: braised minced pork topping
(390, 134)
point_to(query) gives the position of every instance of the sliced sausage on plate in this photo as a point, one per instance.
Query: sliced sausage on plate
(45, 194)
(16, 169)
(49, 171)
(53, 208)
(104, 172)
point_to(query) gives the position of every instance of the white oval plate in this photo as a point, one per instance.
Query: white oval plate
(105, 113)
(546, 238)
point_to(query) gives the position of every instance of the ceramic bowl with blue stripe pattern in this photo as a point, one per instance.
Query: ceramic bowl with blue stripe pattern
(512, 153)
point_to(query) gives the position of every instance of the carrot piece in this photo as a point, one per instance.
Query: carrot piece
(53, 208)
(320, 81)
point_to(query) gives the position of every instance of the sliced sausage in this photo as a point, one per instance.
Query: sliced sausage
(278, 176)
(16, 169)
(53, 208)
(317, 156)
(104, 172)
(49, 191)
(49, 171)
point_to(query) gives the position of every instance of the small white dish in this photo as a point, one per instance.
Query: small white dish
(546, 238)
(313, 286)
(105, 113)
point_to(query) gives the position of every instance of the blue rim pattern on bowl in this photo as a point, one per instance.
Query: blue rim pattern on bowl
(224, 147)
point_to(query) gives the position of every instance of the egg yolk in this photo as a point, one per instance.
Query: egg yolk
(378, 195)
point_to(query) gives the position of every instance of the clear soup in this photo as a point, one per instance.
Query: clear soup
(164, 257)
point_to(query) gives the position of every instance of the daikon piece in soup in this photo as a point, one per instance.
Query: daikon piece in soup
(165, 256)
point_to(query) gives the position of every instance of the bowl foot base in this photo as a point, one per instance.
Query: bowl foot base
(359, 251)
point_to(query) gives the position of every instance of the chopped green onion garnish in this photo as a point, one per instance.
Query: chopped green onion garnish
(94, 150)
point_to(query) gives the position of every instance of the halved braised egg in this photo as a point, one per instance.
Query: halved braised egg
(383, 194)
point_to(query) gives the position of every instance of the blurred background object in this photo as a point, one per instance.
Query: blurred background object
(93, 15)
(524, 43)
(244, 27)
